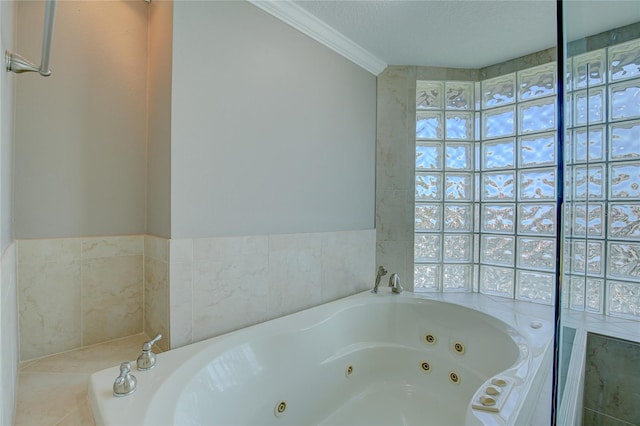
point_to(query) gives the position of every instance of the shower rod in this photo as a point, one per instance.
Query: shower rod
(19, 64)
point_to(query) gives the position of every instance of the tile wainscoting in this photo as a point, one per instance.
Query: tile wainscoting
(9, 357)
(76, 292)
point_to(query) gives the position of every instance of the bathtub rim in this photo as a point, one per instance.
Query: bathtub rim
(514, 314)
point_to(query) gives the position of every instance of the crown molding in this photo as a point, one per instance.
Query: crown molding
(297, 17)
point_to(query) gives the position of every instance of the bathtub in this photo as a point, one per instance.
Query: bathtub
(370, 359)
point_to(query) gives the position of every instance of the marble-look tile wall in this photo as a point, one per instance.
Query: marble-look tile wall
(156, 289)
(612, 382)
(222, 284)
(9, 356)
(74, 292)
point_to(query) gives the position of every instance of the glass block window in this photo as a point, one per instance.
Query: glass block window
(603, 165)
(486, 184)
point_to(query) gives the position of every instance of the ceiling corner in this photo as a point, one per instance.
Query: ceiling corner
(297, 17)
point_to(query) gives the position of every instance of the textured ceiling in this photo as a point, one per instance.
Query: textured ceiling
(464, 33)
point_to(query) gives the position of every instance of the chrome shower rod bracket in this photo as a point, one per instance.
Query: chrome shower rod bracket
(18, 64)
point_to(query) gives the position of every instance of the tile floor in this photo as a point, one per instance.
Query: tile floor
(53, 390)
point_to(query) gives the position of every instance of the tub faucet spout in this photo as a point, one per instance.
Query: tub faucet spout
(394, 282)
(381, 272)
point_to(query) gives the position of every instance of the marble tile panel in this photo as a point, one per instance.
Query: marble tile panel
(156, 300)
(612, 378)
(348, 261)
(395, 256)
(180, 250)
(395, 215)
(294, 273)
(89, 359)
(208, 249)
(156, 247)
(49, 307)
(97, 247)
(223, 305)
(594, 418)
(181, 303)
(45, 399)
(80, 416)
(9, 355)
(49, 250)
(112, 298)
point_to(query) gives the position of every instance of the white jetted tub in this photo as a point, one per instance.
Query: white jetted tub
(367, 359)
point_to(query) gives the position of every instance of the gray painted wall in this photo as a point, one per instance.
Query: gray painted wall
(271, 131)
(80, 151)
(159, 119)
(7, 14)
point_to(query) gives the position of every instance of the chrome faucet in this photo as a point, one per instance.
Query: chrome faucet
(394, 281)
(147, 360)
(126, 382)
(381, 272)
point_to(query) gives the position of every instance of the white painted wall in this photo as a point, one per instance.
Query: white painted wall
(80, 151)
(159, 119)
(271, 131)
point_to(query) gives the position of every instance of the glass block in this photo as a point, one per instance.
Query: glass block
(537, 81)
(568, 110)
(536, 253)
(624, 221)
(459, 156)
(589, 69)
(625, 180)
(457, 248)
(567, 152)
(625, 141)
(496, 281)
(459, 125)
(588, 182)
(428, 156)
(589, 141)
(537, 116)
(498, 154)
(594, 300)
(498, 123)
(537, 184)
(458, 187)
(535, 287)
(428, 217)
(624, 60)
(591, 225)
(458, 217)
(498, 186)
(577, 293)
(538, 219)
(429, 125)
(426, 248)
(498, 218)
(428, 186)
(624, 261)
(624, 100)
(426, 277)
(459, 95)
(588, 106)
(537, 150)
(568, 74)
(498, 91)
(429, 95)
(623, 300)
(497, 250)
(587, 255)
(457, 277)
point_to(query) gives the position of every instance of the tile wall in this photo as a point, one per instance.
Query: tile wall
(75, 292)
(223, 284)
(8, 334)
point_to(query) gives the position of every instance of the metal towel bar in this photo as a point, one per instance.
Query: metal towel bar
(18, 64)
